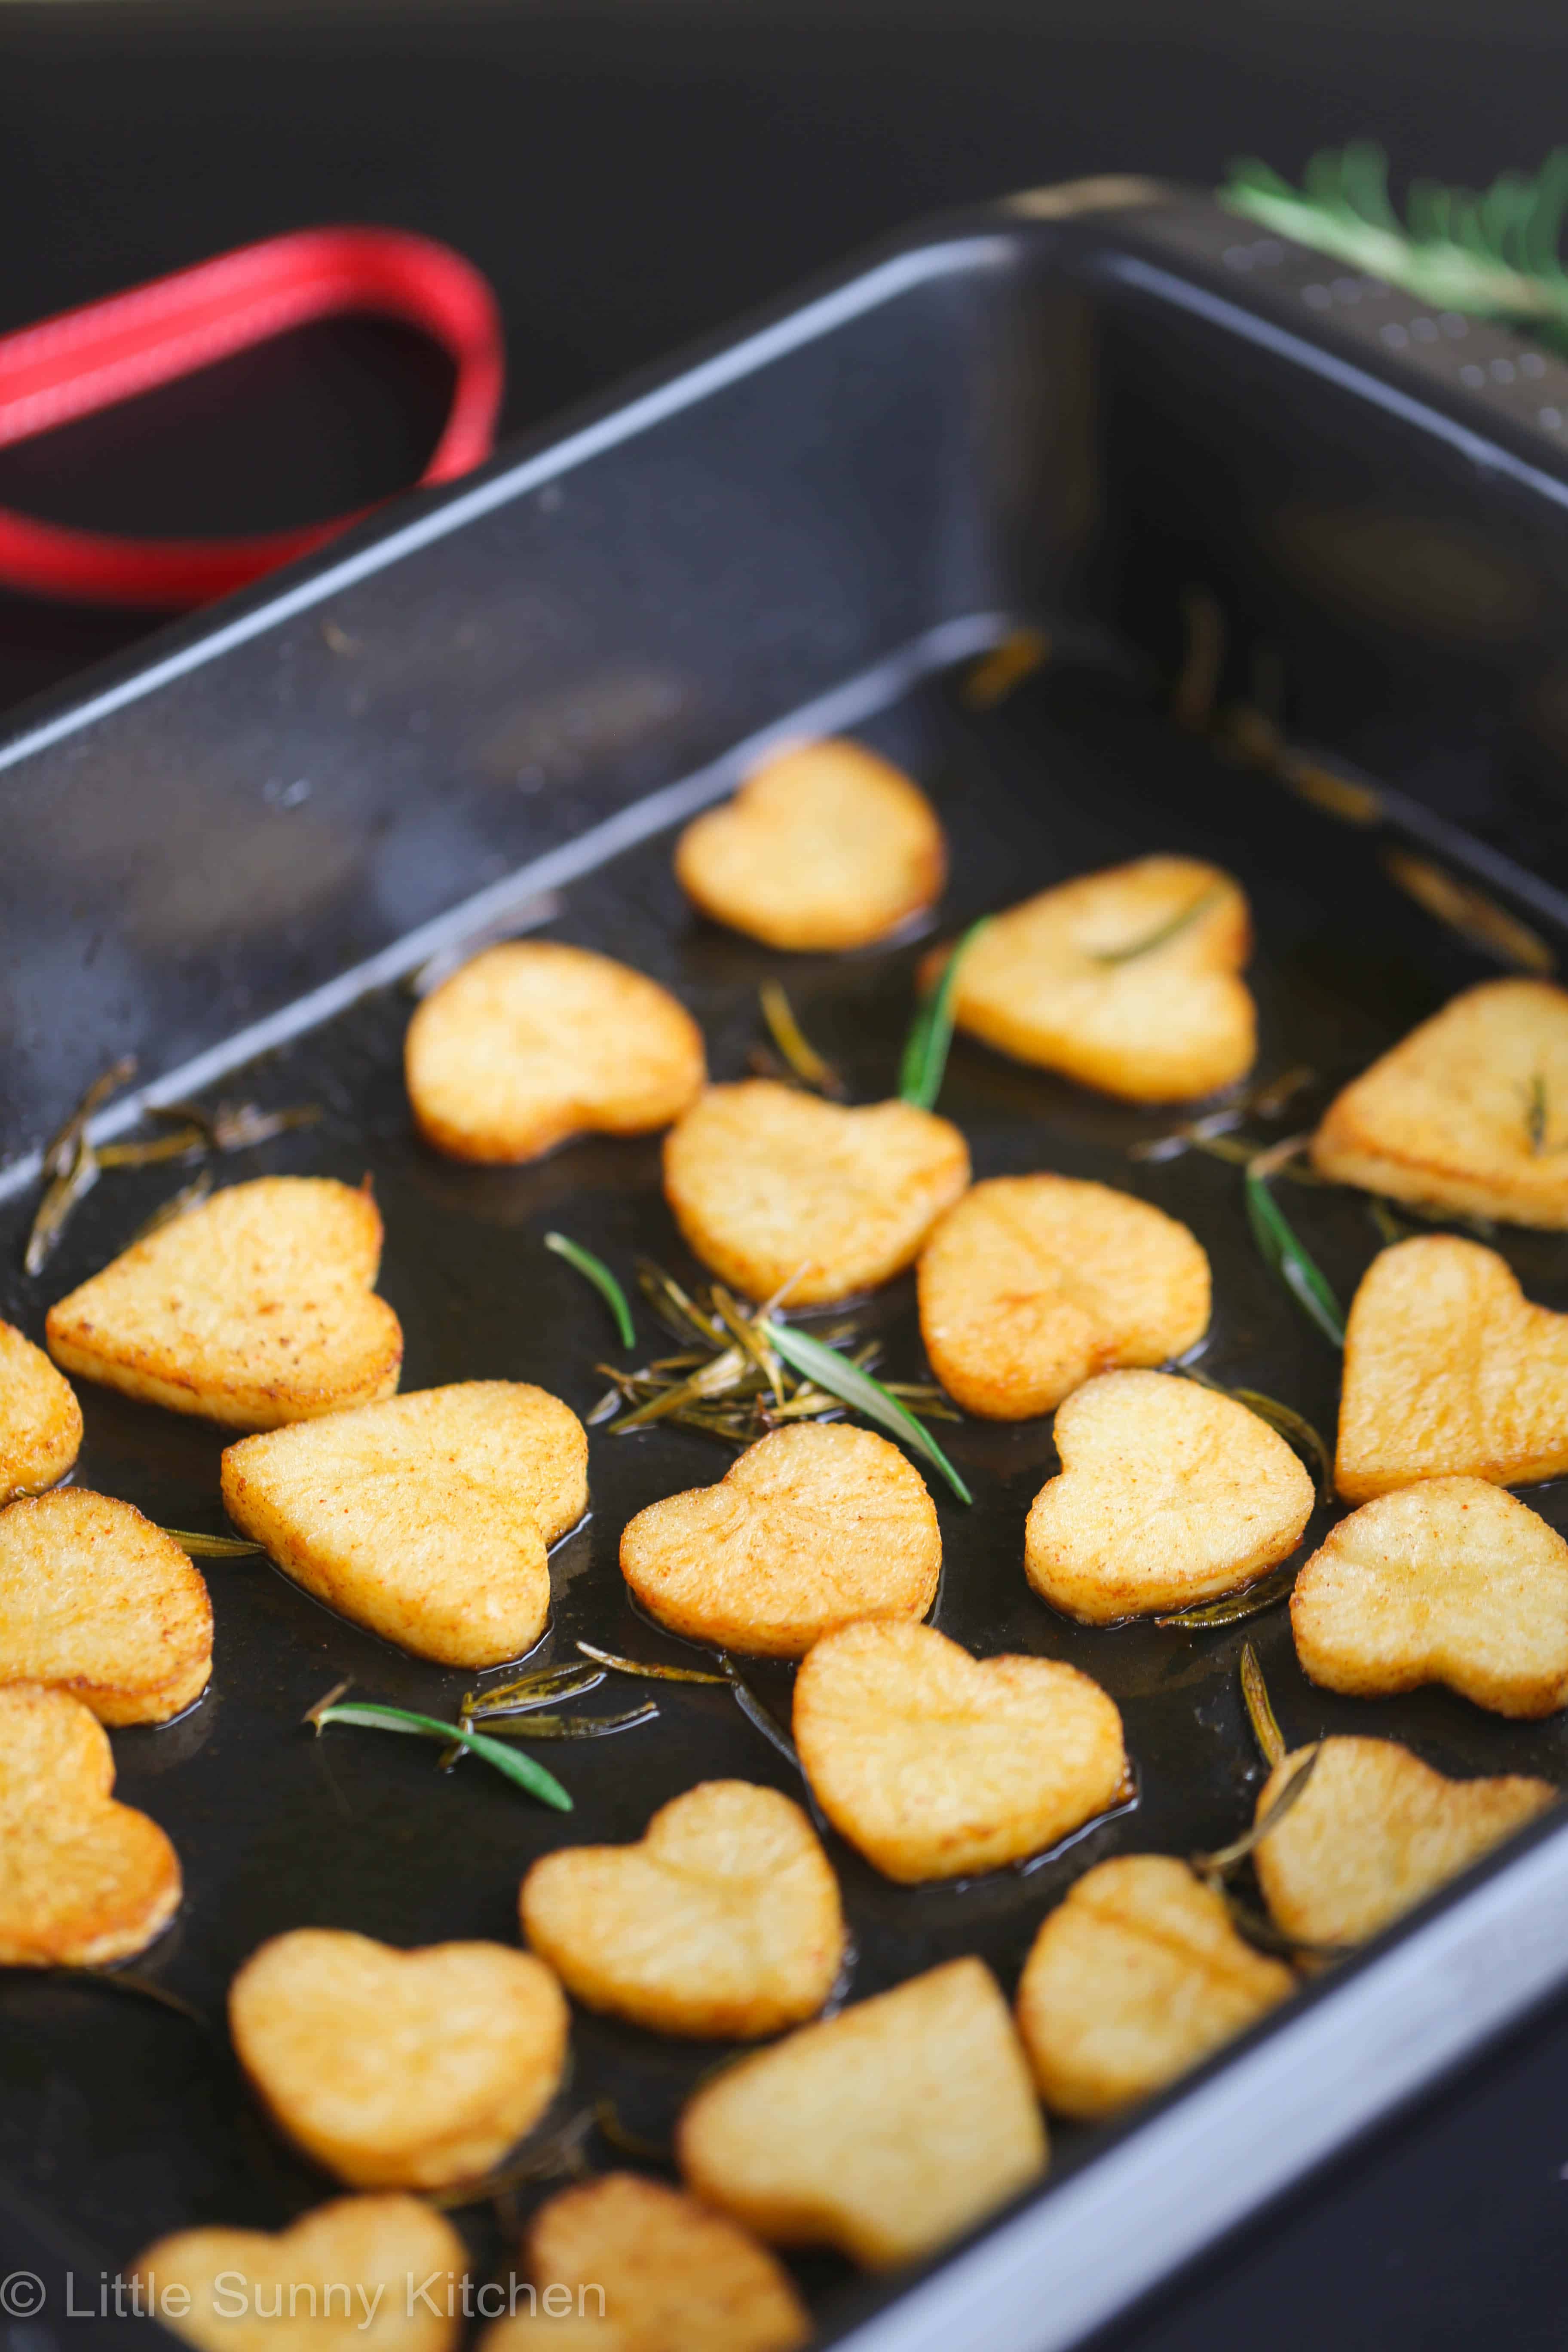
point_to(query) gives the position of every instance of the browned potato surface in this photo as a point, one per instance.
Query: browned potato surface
(398, 2070)
(533, 1042)
(1169, 1494)
(83, 1881)
(427, 1519)
(40, 1420)
(937, 1764)
(1030, 1285)
(96, 1601)
(770, 1186)
(254, 1309)
(814, 1527)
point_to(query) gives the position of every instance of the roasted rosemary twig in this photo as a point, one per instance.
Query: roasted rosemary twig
(799, 1053)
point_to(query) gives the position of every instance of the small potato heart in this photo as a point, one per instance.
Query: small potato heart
(1031, 1285)
(883, 2131)
(768, 1184)
(533, 1042)
(668, 2275)
(1374, 1833)
(96, 1601)
(1468, 1113)
(427, 1519)
(83, 1881)
(398, 2070)
(255, 1309)
(1125, 980)
(811, 1529)
(724, 1921)
(1169, 1494)
(40, 1420)
(1131, 1980)
(936, 1766)
(336, 2280)
(1452, 1581)
(1451, 1372)
(825, 846)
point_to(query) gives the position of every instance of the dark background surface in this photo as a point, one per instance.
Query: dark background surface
(628, 175)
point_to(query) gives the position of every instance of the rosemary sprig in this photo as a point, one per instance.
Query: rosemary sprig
(602, 1280)
(1260, 1709)
(1235, 1608)
(534, 1691)
(1215, 1865)
(1279, 1248)
(923, 1063)
(237, 1127)
(201, 1546)
(1469, 913)
(857, 1388)
(521, 1770)
(760, 1717)
(1164, 933)
(569, 1726)
(649, 1672)
(71, 1165)
(801, 1054)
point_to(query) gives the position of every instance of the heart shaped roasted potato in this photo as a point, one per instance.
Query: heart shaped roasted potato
(83, 1881)
(533, 1042)
(255, 1309)
(336, 2280)
(1451, 1372)
(96, 1601)
(770, 1186)
(1468, 1113)
(1126, 981)
(1452, 1581)
(724, 1921)
(936, 1765)
(883, 2131)
(1169, 1494)
(826, 846)
(1374, 1832)
(427, 1519)
(669, 2275)
(398, 2070)
(1030, 1285)
(40, 1420)
(1132, 1979)
(812, 1527)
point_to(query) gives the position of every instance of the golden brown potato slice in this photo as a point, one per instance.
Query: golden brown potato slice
(1374, 1833)
(427, 1519)
(1451, 1372)
(1031, 1285)
(1125, 980)
(254, 1309)
(398, 2070)
(1468, 1113)
(1169, 1494)
(1452, 1581)
(723, 1921)
(883, 2131)
(83, 1881)
(668, 2275)
(937, 1764)
(96, 1601)
(1131, 1980)
(767, 1184)
(825, 846)
(534, 1041)
(345, 2276)
(814, 1527)
(40, 1420)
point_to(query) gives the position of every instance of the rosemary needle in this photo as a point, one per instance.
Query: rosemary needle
(201, 1547)
(796, 1046)
(521, 1769)
(652, 1673)
(846, 1381)
(602, 1280)
(1215, 1865)
(1259, 1708)
(1279, 1248)
(924, 1064)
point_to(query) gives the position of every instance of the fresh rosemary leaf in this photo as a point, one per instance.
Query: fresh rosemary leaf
(1260, 1709)
(925, 1061)
(1281, 1250)
(1164, 933)
(521, 1770)
(1215, 1865)
(652, 1673)
(201, 1547)
(602, 1280)
(1235, 1608)
(798, 1051)
(857, 1390)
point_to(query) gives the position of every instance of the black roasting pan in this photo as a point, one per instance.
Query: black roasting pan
(1294, 551)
